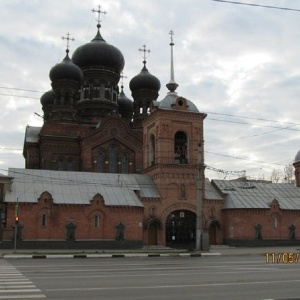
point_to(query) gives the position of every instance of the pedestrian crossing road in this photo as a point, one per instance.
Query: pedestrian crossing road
(14, 285)
(241, 277)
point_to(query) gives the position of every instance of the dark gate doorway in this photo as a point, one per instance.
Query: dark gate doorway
(181, 229)
(213, 234)
(152, 234)
(214, 227)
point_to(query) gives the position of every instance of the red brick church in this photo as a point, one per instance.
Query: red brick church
(107, 171)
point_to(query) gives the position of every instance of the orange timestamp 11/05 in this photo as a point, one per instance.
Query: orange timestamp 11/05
(282, 257)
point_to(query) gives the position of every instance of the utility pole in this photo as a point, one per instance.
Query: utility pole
(16, 224)
(200, 191)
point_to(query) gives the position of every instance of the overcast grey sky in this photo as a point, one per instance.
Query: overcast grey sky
(239, 64)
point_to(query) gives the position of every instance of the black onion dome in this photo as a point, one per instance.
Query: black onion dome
(66, 70)
(47, 98)
(144, 80)
(99, 53)
(125, 105)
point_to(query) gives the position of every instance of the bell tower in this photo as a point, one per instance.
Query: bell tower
(172, 148)
(173, 130)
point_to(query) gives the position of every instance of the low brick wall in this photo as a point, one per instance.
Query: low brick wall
(260, 242)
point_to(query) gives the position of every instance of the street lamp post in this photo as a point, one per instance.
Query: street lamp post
(16, 224)
(200, 188)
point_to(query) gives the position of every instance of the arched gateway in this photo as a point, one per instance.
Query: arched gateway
(181, 229)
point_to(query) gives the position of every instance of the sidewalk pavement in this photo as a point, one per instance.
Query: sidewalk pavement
(149, 252)
(224, 250)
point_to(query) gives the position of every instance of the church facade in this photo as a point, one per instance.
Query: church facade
(106, 171)
(103, 167)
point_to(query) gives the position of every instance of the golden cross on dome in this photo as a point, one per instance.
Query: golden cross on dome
(68, 38)
(99, 12)
(144, 50)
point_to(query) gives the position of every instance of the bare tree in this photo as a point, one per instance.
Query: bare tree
(275, 176)
(289, 174)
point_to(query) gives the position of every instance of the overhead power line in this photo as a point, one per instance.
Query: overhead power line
(242, 158)
(258, 125)
(19, 96)
(207, 112)
(251, 118)
(18, 89)
(259, 5)
(240, 173)
(39, 178)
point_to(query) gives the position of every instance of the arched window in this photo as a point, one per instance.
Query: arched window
(107, 94)
(44, 220)
(96, 92)
(85, 93)
(124, 163)
(101, 160)
(152, 150)
(181, 147)
(275, 222)
(60, 164)
(115, 97)
(113, 166)
(70, 165)
(97, 221)
(91, 91)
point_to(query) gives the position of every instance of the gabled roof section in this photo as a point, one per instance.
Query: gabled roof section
(4, 178)
(211, 192)
(80, 187)
(32, 134)
(6, 181)
(252, 194)
(114, 128)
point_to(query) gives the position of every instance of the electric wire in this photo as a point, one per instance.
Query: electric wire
(258, 5)
(242, 158)
(207, 112)
(253, 124)
(19, 96)
(277, 128)
(19, 89)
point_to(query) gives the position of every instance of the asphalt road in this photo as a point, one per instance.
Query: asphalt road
(212, 277)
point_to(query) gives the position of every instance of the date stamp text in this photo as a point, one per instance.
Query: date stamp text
(282, 257)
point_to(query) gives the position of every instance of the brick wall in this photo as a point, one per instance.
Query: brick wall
(275, 223)
(82, 216)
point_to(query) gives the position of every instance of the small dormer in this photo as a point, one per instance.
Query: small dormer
(45, 199)
(180, 103)
(274, 205)
(97, 200)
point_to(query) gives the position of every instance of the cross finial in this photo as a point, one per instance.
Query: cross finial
(122, 76)
(99, 12)
(171, 34)
(68, 38)
(143, 49)
(172, 85)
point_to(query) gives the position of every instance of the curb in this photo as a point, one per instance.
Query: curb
(81, 256)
